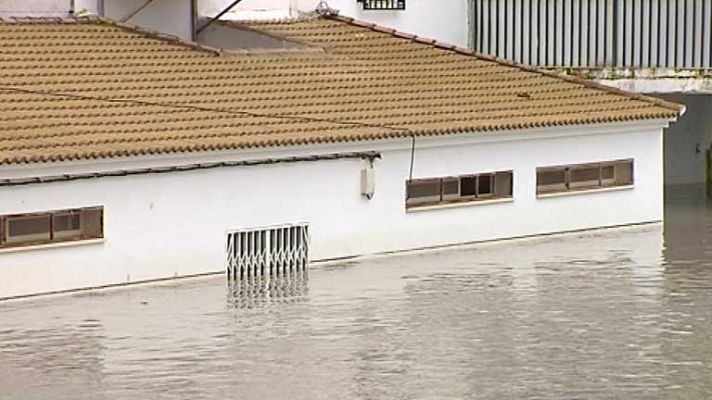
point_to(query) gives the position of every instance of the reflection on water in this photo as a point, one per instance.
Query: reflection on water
(613, 314)
(264, 291)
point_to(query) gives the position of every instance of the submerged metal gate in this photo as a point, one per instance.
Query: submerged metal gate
(267, 251)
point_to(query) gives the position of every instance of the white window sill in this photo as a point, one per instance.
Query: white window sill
(51, 245)
(586, 191)
(458, 205)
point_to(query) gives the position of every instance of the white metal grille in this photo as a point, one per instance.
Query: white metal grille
(267, 251)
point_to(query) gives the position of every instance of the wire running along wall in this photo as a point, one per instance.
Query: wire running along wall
(596, 33)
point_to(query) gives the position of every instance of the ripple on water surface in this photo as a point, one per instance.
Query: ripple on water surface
(612, 314)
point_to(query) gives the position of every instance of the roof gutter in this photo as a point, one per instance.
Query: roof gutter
(363, 155)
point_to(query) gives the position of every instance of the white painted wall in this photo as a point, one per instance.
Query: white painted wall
(34, 8)
(251, 9)
(444, 20)
(167, 16)
(159, 226)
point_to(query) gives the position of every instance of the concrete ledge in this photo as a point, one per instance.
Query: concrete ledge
(458, 204)
(586, 191)
(34, 247)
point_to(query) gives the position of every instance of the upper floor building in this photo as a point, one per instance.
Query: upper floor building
(641, 45)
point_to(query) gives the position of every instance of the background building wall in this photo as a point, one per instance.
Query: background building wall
(165, 225)
(688, 139)
(444, 20)
(168, 16)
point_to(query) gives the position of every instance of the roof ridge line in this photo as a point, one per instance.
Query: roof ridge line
(680, 109)
(28, 19)
(302, 17)
(95, 19)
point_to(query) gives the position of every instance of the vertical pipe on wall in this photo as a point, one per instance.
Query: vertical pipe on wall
(501, 29)
(534, 32)
(627, 33)
(526, 31)
(193, 19)
(517, 33)
(707, 35)
(697, 34)
(510, 29)
(681, 33)
(486, 5)
(543, 48)
(664, 36)
(645, 34)
(688, 14)
(584, 12)
(612, 30)
(576, 33)
(551, 25)
(654, 33)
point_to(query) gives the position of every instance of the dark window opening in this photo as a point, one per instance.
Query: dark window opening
(468, 186)
(457, 189)
(51, 227)
(591, 176)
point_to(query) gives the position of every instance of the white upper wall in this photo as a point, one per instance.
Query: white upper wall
(444, 20)
(167, 16)
(38, 8)
(251, 9)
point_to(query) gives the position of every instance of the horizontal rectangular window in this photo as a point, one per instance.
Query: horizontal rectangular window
(51, 227)
(590, 176)
(457, 189)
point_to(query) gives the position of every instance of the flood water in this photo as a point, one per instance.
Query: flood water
(621, 313)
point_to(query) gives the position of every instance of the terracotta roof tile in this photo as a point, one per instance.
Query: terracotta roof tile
(92, 88)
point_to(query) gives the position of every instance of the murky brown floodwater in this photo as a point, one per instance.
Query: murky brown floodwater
(615, 314)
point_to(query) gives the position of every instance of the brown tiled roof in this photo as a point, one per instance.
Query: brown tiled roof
(91, 88)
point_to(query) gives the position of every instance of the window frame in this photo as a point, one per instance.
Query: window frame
(451, 198)
(68, 233)
(18, 242)
(79, 235)
(570, 186)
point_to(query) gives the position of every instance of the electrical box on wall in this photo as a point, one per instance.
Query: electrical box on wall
(368, 182)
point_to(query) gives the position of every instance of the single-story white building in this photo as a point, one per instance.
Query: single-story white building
(129, 156)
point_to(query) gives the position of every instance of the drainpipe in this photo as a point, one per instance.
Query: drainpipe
(100, 8)
(193, 19)
(71, 8)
